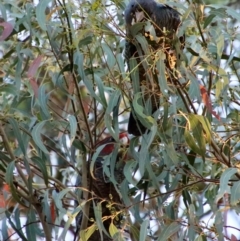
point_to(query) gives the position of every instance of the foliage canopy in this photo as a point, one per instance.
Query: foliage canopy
(64, 87)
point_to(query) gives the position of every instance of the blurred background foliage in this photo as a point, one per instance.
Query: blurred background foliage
(65, 87)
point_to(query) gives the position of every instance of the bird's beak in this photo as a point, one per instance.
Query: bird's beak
(139, 16)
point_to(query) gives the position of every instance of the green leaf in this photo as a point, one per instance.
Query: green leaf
(232, 13)
(18, 229)
(3, 10)
(43, 101)
(36, 135)
(79, 145)
(235, 194)
(172, 154)
(41, 15)
(148, 121)
(222, 80)
(78, 61)
(128, 170)
(98, 215)
(224, 185)
(108, 123)
(16, 131)
(31, 225)
(154, 180)
(191, 220)
(222, 83)
(221, 12)
(143, 157)
(45, 202)
(220, 44)
(9, 88)
(85, 41)
(113, 101)
(120, 64)
(143, 230)
(206, 126)
(111, 60)
(168, 231)
(112, 110)
(143, 43)
(9, 180)
(196, 139)
(86, 234)
(73, 127)
(135, 232)
(42, 166)
(4, 228)
(113, 230)
(162, 81)
(17, 215)
(208, 20)
(191, 142)
(58, 199)
(197, 132)
(186, 198)
(100, 87)
(219, 225)
(66, 227)
(136, 28)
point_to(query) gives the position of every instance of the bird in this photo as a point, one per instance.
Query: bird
(102, 189)
(158, 24)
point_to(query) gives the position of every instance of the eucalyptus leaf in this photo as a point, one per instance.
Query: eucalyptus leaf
(41, 15)
(36, 135)
(224, 182)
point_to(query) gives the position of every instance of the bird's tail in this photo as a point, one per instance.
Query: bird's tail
(135, 127)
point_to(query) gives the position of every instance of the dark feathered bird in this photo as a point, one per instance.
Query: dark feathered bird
(157, 23)
(102, 190)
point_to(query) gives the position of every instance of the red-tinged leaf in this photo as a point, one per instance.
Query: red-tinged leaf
(207, 101)
(34, 67)
(5, 190)
(7, 29)
(6, 187)
(2, 201)
(86, 104)
(34, 85)
(32, 72)
(53, 211)
(233, 238)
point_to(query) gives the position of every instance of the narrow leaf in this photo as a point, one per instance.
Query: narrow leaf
(32, 71)
(168, 231)
(36, 135)
(113, 229)
(43, 101)
(224, 187)
(7, 30)
(73, 127)
(18, 135)
(143, 230)
(41, 15)
(235, 194)
(42, 166)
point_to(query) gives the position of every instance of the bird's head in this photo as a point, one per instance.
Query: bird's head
(137, 9)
